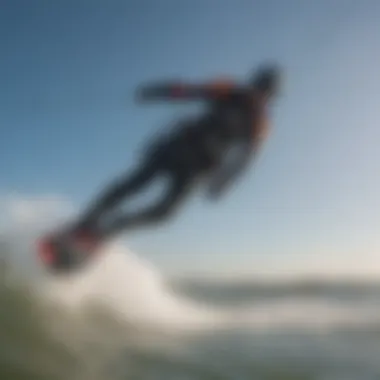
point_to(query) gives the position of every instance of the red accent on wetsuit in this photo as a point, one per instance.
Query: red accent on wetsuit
(178, 91)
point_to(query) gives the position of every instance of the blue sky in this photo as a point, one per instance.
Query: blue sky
(68, 122)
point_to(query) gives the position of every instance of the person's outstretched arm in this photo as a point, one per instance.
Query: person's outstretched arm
(185, 91)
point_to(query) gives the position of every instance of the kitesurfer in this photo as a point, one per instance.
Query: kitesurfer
(213, 148)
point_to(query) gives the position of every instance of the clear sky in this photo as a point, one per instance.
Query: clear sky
(68, 123)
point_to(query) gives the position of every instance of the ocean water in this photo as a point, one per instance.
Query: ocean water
(122, 319)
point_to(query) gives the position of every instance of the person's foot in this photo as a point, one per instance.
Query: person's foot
(85, 239)
(64, 251)
(56, 254)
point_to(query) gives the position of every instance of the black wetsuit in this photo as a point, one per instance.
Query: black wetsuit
(191, 151)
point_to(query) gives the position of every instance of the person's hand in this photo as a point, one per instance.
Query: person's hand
(144, 93)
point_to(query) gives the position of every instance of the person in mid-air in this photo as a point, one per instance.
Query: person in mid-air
(214, 147)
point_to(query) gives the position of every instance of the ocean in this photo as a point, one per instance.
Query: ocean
(122, 319)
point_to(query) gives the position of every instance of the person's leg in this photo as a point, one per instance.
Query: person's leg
(60, 252)
(183, 156)
(177, 192)
(115, 193)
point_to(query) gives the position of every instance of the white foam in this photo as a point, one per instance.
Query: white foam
(131, 287)
(134, 289)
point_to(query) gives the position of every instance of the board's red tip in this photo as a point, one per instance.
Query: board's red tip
(46, 251)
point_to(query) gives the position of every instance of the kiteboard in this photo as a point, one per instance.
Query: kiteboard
(63, 253)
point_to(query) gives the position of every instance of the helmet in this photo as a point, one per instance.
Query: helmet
(267, 79)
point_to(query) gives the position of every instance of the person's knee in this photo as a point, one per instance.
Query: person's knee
(159, 213)
(115, 191)
(123, 184)
(162, 212)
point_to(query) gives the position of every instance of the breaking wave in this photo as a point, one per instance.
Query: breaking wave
(120, 316)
